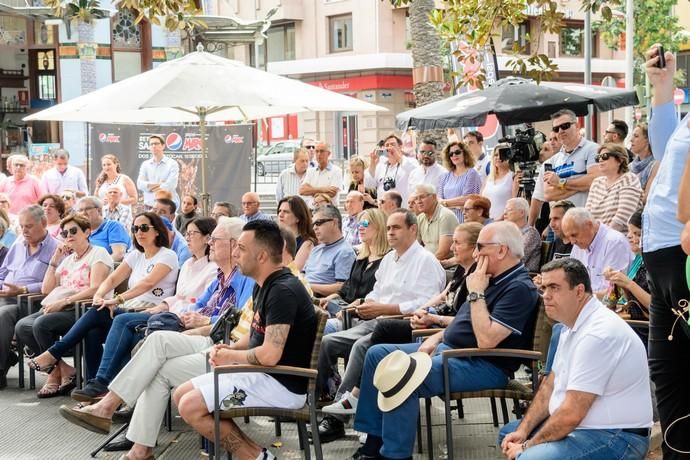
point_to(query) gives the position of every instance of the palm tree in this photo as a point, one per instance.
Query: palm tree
(427, 60)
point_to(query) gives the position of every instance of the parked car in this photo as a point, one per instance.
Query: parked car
(276, 158)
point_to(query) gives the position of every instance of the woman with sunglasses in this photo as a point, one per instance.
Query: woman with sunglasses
(294, 214)
(69, 199)
(499, 187)
(54, 208)
(460, 180)
(150, 271)
(372, 234)
(110, 175)
(197, 272)
(75, 272)
(616, 194)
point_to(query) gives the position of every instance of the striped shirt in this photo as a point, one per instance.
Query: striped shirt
(452, 186)
(288, 183)
(613, 205)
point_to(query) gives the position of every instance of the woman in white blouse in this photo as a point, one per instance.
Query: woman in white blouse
(197, 272)
(499, 185)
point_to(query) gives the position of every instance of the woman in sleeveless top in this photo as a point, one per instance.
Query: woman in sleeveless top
(499, 185)
(110, 175)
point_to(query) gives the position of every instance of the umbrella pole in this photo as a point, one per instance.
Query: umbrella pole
(205, 197)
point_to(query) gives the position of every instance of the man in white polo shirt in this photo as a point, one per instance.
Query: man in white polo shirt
(596, 402)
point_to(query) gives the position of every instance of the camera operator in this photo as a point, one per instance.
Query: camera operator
(573, 168)
(389, 170)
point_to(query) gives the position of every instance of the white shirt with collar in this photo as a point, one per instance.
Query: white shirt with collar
(330, 176)
(55, 182)
(409, 280)
(400, 173)
(425, 175)
(603, 356)
(288, 183)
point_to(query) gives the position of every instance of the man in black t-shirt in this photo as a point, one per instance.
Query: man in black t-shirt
(499, 312)
(282, 333)
(560, 248)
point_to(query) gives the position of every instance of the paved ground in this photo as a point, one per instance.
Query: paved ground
(32, 429)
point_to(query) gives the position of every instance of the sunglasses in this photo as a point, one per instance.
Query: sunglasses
(320, 222)
(363, 223)
(562, 126)
(481, 246)
(602, 157)
(427, 153)
(309, 147)
(143, 227)
(67, 197)
(455, 153)
(72, 231)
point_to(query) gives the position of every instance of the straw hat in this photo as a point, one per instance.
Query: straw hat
(398, 375)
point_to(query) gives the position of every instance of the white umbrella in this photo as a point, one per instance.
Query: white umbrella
(200, 87)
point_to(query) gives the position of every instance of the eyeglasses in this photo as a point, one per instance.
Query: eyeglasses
(481, 246)
(191, 233)
(455, 153)
(562, 126)
(602, 157)
(71, 231)
(215, 239)
(143, 228)
(309, 147)
(427, 153)
(364, 223)
(320, 222)
(88, 208)
(64, 197)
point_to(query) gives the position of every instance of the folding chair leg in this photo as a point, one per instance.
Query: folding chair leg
(168, 414)
(461, 409)
(316, 441)
(32, 379)
(110, 438)
(494, 412)
(504, 409)
(419, 433)
(279, 431)
(20, 355)
(429, 436)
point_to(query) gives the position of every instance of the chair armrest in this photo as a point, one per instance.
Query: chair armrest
(426, 332)
(284, 370)
(32, 300)
(490, 352)
(394, 317)
(637, 323)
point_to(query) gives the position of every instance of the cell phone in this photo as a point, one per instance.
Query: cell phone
(548, 167)
(661, 63)
(381, 151)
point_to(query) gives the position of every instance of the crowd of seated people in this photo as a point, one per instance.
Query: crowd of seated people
(450, 249)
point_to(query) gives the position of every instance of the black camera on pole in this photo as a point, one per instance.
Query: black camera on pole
(523, 149)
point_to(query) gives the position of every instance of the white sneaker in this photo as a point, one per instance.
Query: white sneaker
(346, 405)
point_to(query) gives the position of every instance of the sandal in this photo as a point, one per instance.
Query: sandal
(49, 390)
(67, 385)
(48, 369)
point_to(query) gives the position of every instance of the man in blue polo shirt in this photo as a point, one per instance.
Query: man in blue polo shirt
(108, 234)
(499, 313)
(330, 262)
(166, 210)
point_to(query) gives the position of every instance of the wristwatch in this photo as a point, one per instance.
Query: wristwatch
(561, 183)
(474, 296)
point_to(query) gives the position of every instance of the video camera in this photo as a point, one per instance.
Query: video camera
(523, 150)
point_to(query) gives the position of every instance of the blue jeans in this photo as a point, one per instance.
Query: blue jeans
(119, 344)
(93, 328)
(585, 444)
(398, 427)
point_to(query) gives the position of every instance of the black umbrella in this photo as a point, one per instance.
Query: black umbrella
(514, 100)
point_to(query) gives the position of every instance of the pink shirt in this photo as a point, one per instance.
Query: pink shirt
(22, 193)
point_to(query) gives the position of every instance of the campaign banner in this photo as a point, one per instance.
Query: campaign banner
(228, 160)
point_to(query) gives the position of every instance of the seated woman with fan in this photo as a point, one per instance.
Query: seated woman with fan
(168, 358)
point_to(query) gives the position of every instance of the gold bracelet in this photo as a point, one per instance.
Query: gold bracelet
(120, 299)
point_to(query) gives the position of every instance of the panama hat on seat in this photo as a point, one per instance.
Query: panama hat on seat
(398, 375)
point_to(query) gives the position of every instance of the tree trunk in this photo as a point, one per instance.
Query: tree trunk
(427, 74)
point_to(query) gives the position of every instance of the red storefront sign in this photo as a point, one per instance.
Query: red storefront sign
(342, 85)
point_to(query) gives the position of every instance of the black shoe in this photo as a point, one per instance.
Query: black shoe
(359, 455)
(12, 359)
(123, 415)
(3, 379)
(92, 392)
(118, 444)
(330, 429)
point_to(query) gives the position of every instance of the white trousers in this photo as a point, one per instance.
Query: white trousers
(165, 360)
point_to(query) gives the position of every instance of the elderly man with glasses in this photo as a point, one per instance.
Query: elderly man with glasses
(108, 234)
(250, 208)
(116, 210)
(573, 168)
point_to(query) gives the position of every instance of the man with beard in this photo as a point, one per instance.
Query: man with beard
(428, 171)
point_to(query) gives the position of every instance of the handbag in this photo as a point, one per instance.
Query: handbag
(225, 324)
(165, 321)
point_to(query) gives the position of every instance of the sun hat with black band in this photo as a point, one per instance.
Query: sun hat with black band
(398, 375)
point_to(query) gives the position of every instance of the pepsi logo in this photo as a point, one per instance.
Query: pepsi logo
(173, 141)
(102, 137)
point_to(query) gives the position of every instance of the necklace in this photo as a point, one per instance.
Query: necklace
(80, 256)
